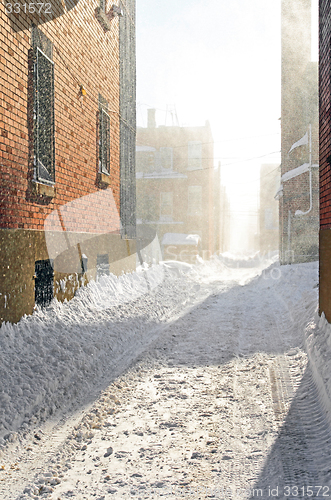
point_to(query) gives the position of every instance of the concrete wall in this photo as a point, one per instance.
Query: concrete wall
(21, 248)
(298, 234)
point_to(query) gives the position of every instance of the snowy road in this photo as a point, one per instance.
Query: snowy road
(216, 400)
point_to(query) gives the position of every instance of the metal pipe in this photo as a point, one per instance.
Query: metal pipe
(299, 212)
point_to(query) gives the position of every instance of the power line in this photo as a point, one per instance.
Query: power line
(254, 180)
(166, 174)
(250, 159)
(212, 142)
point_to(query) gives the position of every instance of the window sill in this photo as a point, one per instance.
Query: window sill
(166, 218)
(104, 179)
(44, 190)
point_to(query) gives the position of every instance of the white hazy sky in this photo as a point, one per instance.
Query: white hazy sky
(216, 60)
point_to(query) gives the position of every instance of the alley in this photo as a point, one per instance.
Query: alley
(221, 404)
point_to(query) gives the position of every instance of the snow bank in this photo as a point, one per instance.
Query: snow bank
(318, 345)
(56, 356)
(115, 290)
(249, 260)
(232, 268)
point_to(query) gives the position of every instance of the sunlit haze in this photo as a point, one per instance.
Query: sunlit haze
(218, 61)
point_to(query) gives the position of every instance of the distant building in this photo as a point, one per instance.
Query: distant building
(175, 188)
(299, 191)
(222, 215)
(67, 149)
(269, 209)
(325, 159)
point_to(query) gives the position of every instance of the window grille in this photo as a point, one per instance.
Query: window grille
(104, 142)
(44, 147)
(44, 278)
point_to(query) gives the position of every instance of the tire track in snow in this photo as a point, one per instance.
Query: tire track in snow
(36, 458)
(302, 447)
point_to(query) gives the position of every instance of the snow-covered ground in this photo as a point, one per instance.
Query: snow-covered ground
(58, 354)
(175, 381)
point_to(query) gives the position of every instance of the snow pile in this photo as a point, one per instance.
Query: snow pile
(249, 260)
(232, 268)
(57, 355)
(114, 290)
(318, 345)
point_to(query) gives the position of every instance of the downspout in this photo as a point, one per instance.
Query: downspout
(289, 237)
(299, 212)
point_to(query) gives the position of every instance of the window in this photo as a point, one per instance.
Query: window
(194, 200)
(166, 202)
(43, 110)
(104, 137)
(102, 265)
(166, 158)
(194, 155)
(44, 277)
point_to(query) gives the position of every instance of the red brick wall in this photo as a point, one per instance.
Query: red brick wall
(178, 138)
(83, 54)
(325, 118)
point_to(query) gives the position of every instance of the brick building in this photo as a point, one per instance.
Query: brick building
(299, 192)
(325, 157)
(67, 148)
(175, 188)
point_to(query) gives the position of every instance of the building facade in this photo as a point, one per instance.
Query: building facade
(325, 158)
(176, 188)
(299, 192)
(67, 120)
